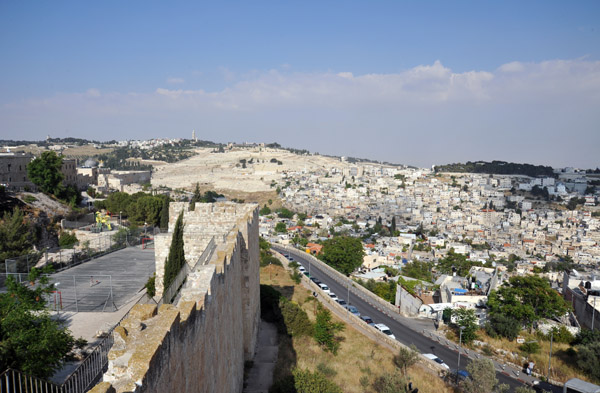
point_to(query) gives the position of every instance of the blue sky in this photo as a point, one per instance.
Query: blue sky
(423, 82)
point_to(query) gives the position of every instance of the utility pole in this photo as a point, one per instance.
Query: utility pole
(550, 357)
(459, 347)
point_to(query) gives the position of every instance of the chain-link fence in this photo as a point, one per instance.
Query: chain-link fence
(63, 258)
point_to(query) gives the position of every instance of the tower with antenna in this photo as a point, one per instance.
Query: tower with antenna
(194, 135)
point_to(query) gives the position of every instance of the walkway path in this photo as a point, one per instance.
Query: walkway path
(260, 376)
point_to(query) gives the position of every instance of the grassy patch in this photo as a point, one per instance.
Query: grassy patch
(359, 360)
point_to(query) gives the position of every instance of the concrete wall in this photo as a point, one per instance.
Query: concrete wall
(583, 310)
(407, 303)
(201, 343)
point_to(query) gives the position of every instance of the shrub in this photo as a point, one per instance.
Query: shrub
(295, 318)
(390, 383)
(29, 199)
(307, 382)
(530, 347)
(325, 329)
(151, 285)
(269, 260)
(296, 276)
(326, 370)
(67, 240)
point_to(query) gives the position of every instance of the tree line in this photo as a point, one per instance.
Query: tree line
(498, 168)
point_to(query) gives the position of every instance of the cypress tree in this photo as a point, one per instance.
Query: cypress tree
(196, 198)
(164, 214)
(176, 258)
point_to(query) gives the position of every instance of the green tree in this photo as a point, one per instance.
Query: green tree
(406, 357)
(67, 239)
(526, 299)
(280, 227)
(588, 359)
(30, 340)
(309, 382)
(419, 270)
(176, 258)
(483, 377)
(45, 172)
(164, 214)
(265, 211)
(325, 330)
(196, 197)
(504, 326)
(467, 320)
(343, 253)
(15, 235)
(285, 213)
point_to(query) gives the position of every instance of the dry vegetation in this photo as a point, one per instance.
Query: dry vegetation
(562, 367)
(563, 360)
(357, 357)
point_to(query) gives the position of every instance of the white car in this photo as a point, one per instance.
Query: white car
(301, 269)
(333, 296)
(437, 360)
(385, 330)
(324, 288)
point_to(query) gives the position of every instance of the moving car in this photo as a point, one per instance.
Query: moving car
(385, 330)
(437, 360)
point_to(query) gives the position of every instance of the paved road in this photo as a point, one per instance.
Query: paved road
(407, 330)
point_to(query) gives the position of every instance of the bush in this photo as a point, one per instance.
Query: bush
(325, 329)
(29, 199)
(295, 318)
(390, 383)
(307, 382)
(326, 370)
(504, 326)
(530, 347)
(296, 276)
(559, 335)
(269, 260)
(151, 285)
(67, 240)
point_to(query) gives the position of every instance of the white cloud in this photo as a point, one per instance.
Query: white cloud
(428, 108)
(175, 81)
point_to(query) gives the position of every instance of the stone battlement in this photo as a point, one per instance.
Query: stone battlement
(201, 343)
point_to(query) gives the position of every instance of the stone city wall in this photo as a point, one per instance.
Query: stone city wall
(201, 343)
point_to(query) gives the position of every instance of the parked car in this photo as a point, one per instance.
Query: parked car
(301, 269)
(367, 320)
(306, 274)
(385, 330)
(324, 287)
(315, 280)
(341, 301)
(437, 360)
(352, 309)
(333, 295)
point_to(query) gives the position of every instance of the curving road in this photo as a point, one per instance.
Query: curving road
(408, 331)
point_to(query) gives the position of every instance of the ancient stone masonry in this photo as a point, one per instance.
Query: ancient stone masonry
(200, 343)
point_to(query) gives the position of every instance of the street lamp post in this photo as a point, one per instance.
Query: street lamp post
(550, 357)
(120, 221)
(459, 346)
